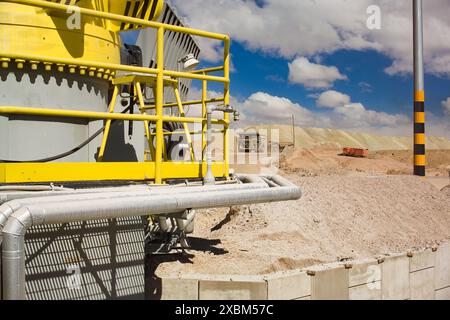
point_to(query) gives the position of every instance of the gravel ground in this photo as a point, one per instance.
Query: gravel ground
(339, 217)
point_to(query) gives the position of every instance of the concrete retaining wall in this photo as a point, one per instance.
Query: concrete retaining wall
(420, 275)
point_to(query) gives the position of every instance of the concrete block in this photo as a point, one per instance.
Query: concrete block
(304, 298)
(330, 284)
(225, 278)
(232, 290)
(288, 286)
(442, 269)
(179, 289)
(443, 294)
(368, 291)
(422, 284)
(395, 278)
(422, 260)
(363, 272)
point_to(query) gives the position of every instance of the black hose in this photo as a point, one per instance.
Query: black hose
(62, 155)
(70, 152)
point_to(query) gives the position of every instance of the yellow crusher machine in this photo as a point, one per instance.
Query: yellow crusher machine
(98, 162)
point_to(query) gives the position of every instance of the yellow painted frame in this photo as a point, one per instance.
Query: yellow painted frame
(101, 171)
(157, 170)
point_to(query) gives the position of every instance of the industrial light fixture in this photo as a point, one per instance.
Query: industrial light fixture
(189, 62)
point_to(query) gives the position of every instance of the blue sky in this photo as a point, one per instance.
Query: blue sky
(367, 73)
(261, 72)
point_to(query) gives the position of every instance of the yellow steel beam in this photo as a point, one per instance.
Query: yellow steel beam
(147, 79)
(112, 104)
(190, 75)
(187, 103)
(204, 127)
(226, 89)
(208, 70)
(138, 89)
(43, 112)
(159, 101)
(191, 120)
(100, 171)
(198, 132)
(185, 126)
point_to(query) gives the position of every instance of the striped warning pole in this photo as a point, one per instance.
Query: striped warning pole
(419, 93)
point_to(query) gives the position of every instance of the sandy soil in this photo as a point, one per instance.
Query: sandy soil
(316, 137)
(350, 209)
(446, 191)
(339, 217)
(319, 161)
(438, 161)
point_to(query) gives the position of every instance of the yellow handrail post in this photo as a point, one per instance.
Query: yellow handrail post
(204, 98)
(138, 89)
(185, 126)
(159, 104)
(226, 89)
(108, 124)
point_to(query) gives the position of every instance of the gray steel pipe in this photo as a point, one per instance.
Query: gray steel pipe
(95, 209)
(247, 182)
(33, 188)
(8, 196)
(6, 209)
(419, 92)
(419, 82)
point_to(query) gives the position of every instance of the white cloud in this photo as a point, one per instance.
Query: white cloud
(291, 28)
(351, 115)
(332, 99)
(312, 75)
(446, 106)
(262, 107)
(355, 115)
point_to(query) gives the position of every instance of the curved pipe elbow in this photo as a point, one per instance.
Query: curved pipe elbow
(18, 223)
(6, 210)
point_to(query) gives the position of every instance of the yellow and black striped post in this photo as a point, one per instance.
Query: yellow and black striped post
(419, 93)
(419, 134)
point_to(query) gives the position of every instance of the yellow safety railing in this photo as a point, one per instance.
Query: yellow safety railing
(159, 118)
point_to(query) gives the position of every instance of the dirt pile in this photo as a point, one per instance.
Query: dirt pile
(438, 161)
(326, 161)
(351, 208)
(318, 137)
(338, 217)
